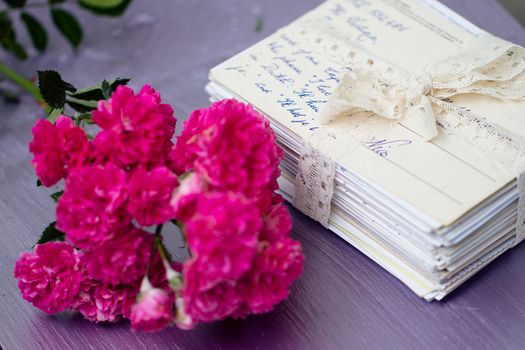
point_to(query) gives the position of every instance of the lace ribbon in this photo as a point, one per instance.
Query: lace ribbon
(314, 184)
(491, 67)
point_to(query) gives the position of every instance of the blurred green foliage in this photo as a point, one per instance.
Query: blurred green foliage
(65, 21)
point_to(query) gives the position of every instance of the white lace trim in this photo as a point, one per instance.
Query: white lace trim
(314, 184)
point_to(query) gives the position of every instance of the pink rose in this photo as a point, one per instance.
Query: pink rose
(122, 259)
(92, 208)
(277, 222)
(75, 144)
(223, 234)
(185, 198)
(57, 148)
(150, 194)
(49, 277)
(153, 310)
(275, 268)
(45, 147)
(136, 129)
(101, 302)
(206, 303)
(232, 145)
(236, 227)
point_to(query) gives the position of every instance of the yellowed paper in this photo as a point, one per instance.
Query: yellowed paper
(290, 74)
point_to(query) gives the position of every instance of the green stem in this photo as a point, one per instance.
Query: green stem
(156, 239)
(85, 103)
(24, 83)
(158, 230)
(162, 252)
(160, 246)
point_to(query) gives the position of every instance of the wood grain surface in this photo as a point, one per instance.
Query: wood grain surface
(343, 300)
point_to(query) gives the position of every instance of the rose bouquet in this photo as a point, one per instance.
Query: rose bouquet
(105, 256)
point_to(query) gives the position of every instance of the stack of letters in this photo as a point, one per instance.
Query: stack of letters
(403, 126)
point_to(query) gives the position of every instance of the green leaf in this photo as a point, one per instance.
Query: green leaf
(8, 37)
(105, 7)
(119, 81)
(80, 108)
(85, 118)
(106, 89)
(94, 93)
(9, 96)
(15, 48)
(36, 31)
(16, 3)
(53, 88)
(56, 196)
(51, 234)
(6, 26)
(102, 4)
(38, 183)
(68, 25)
(86, 100)
(54, 114)
(86, 103)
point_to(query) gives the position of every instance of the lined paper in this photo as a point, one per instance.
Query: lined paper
(289, 75)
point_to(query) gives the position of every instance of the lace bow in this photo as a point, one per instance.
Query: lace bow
(491, 67)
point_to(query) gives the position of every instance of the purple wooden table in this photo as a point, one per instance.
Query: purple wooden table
(343, 300)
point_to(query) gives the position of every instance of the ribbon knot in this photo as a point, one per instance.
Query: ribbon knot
(491, 67)
(421, 85)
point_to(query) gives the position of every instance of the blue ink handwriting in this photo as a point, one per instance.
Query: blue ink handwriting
(365, 33)
(383, 147)
(263, 88)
